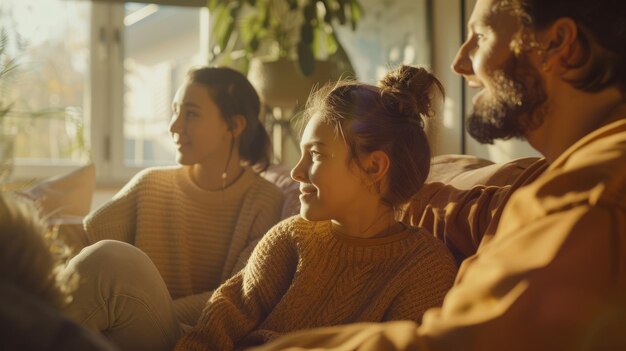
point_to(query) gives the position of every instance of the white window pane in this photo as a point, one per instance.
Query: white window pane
(160, 44)
(49, 39)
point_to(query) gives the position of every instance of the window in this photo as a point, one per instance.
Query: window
(161, 43)
(94, 82)
(46, 90)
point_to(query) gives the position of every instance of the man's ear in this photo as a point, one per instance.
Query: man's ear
(559, 43)
(377, 165)
(238, 125)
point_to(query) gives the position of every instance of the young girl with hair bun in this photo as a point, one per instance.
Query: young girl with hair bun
(346, 258)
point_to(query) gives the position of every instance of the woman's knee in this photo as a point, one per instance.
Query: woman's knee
(115, 258)
(113, 250)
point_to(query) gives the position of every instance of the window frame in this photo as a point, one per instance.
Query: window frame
(104, 100)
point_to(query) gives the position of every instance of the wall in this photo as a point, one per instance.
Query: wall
(392, 32)
(447, 137)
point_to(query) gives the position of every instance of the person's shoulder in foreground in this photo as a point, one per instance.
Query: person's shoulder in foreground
(31, 286)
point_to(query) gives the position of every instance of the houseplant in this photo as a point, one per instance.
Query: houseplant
(287, 47)
(300, 30)
(7, 134)
(25, 121)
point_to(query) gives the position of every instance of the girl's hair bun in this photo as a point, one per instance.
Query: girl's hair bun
(412, 89)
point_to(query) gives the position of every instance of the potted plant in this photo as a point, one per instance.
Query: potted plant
(281, 40)
(293, 29)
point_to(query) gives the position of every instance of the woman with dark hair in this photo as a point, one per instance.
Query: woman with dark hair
(197, 222)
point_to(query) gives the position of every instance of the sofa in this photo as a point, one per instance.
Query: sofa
(66, 199)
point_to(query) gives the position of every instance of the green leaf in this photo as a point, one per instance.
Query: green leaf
(254, 43)
(328, 12)
(251, 32)
(356, 12)
(8, 67)
(266, 17)
(341, 12)
(306, 60)
(293, 4)
(5, 110)
(260, 25)
(310, 12)
(220, 31)
(212, 4)
(306, 33)
(4, 40)
(227, 34)
(331, 42)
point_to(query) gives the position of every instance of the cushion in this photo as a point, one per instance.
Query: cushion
(445, 168)
(466, 171)
(280, 175)
(64, 200)
(65, 195)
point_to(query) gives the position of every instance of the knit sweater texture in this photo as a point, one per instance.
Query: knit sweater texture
(196, 238)
(304, 275)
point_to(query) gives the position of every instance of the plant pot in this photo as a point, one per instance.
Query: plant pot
(281, 84)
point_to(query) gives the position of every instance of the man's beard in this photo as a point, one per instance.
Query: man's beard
(514, 110)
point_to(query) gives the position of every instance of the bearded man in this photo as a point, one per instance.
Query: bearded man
(547, 265)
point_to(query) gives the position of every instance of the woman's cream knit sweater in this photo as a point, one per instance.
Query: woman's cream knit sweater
(196, 238)
(303, 275)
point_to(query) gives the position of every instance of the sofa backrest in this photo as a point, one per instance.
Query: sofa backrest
(64, 200)
(280, 175)
(466, 171)
(460, 171)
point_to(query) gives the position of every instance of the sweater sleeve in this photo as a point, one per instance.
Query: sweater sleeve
(429, 278)
(116, 219)
(459, 218)
(242, 302)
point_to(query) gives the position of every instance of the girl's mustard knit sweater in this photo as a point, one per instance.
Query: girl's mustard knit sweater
(304, 275)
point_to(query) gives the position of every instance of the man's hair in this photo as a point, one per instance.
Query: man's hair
(602, 37)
